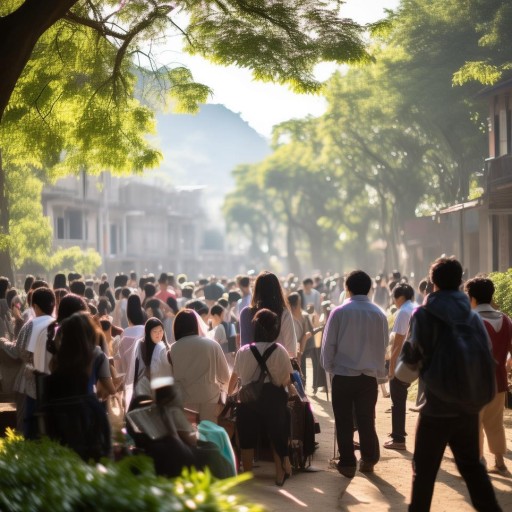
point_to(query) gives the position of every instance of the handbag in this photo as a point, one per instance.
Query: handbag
(251, 391)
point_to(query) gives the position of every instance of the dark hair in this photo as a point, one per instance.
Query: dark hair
(446, 273)
(77, 341)
(198, 306)
(185, 324)
(217, 309)
(244, 282)
(307, 280)
(266, 326)
(103, 306)
(110, 297)
(358, 282)
(125, 292)
(223, 302)
(4, 286)
(403, 290)
(77, 287)
(294, 299)
(9, 296)
(39, 283)
(233, 296)
(44, 298)
(70, 304)
(59, 281)
(164, 278)
(154, 305)
(481, 289)
(268, 294)
(104, 286)
(28, 282)
(149, 290)
(423, 285)
(134, 311)
(187, 292)
(89, 293)
(147, 347)
(173, 304)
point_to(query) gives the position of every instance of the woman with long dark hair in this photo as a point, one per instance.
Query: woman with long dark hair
(269, 411)
(268, 294)
(149, 360)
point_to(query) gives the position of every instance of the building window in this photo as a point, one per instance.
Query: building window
(75, 225)
(113, 239)
(60, 228)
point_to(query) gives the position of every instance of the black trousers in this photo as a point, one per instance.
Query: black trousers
(398, 392)
(355, 395)
(461, 434)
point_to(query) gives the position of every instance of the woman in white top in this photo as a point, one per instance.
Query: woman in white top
(270, 410)
(269, 294)
(149, 360)
(198, 365)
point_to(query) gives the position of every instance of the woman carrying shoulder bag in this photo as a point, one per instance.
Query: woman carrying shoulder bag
(270, 410)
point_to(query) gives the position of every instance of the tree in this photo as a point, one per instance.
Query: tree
(281, 41)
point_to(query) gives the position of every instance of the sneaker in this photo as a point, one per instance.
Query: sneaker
(347, 471)
(394, 445)
(366, 467)
(499, 470)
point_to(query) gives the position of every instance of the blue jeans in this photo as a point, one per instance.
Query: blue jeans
(461, 434)
(355, 395)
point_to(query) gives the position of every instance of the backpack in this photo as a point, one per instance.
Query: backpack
(251, 391)
(461, 371)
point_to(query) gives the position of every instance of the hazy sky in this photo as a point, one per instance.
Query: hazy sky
(263, 105)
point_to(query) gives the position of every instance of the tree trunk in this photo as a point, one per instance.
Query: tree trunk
(293, 261)
(19, 33)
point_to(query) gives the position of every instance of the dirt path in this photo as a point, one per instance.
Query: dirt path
(387, 489)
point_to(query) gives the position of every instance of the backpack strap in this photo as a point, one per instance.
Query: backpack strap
(263, 358)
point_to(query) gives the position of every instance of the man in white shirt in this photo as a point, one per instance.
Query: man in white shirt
(353, 351)
(403, 295)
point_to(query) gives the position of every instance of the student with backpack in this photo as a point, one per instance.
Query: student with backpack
(448, 342)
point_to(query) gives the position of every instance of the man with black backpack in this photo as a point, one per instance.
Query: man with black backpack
(449, 344)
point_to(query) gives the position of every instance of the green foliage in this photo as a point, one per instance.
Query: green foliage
(73, 258)
(44, 475)
(503, 290)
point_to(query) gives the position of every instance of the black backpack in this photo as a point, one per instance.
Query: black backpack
(461, 370)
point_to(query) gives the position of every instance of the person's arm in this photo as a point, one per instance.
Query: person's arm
(396, 348)
(330, 342)
(287, 335)
(222, 367)
(232, 383)
(246, 329)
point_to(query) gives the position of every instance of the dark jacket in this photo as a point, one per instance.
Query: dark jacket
(454, 306)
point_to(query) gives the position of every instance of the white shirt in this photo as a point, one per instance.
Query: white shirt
(278, 364)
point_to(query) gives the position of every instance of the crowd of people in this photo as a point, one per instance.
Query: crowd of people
(213, 337)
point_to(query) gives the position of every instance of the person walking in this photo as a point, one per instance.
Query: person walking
(353, 351)
(442, 421)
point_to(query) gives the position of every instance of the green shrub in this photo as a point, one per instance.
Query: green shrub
(45, 476)
(503, 294)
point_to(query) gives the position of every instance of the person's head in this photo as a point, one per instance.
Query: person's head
(89, 293)
(423, 285)
(153, 334)
(199, 307)
(134, 310)
(78, 337)
(217, 313)
(307, 284)
(163, 281)
(43, 301)
(133, 276)
(268, 293)
(9, 296)
(78, 288)
(70, 304)
(173, 304)
(358, 282)
(152, 307)
(187, 292)
(149, 290)
(125, 292)
(29, 279)
(233, 297)
(185, 324)
(402, 292)
(102, 289)
(244, 283)
(60, 281)
(481, 289)
(39, 283)
(103, 306)
(59, 293)
(295, 301)
(266, 326)
(446, 273)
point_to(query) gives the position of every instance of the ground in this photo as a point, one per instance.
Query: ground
(387, 489)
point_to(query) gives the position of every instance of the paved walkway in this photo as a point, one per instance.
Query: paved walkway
(387, 489)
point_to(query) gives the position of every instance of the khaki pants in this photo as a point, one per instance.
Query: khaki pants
(491, 422)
